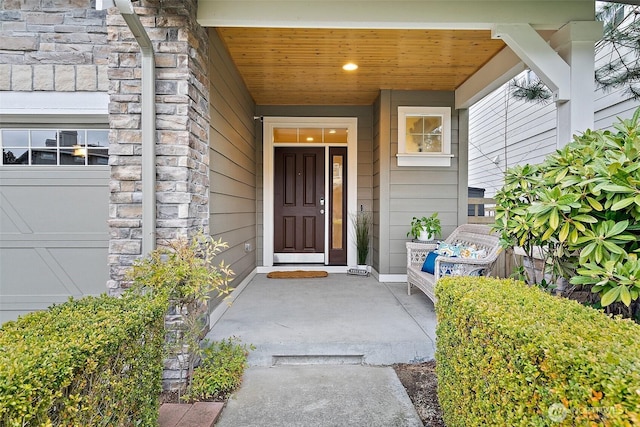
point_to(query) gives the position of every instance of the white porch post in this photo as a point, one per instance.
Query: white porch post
(575, 43)
(565, 65)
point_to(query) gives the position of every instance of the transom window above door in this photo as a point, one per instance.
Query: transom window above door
(310, 135)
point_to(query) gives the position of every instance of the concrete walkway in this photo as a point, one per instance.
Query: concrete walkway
(322, 350)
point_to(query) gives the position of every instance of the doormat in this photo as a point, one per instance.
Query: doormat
(298, 274)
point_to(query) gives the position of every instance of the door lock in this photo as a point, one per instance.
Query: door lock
(321, 201)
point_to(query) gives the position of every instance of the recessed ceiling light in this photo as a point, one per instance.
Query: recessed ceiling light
(309, 139)
(332, 131)
(350, 66)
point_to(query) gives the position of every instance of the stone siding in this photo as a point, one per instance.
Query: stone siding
(68, 46)
(182, 138)
(53, 46)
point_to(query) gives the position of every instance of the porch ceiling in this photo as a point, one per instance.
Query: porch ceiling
(303, 66)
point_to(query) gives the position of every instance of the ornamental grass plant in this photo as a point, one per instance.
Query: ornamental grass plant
(363, 222)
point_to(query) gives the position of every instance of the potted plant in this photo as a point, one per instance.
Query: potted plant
(362, 222)
(425, 228)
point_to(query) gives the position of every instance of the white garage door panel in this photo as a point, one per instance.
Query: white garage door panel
(53, 236)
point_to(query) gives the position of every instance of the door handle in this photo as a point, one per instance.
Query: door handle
(321, 211)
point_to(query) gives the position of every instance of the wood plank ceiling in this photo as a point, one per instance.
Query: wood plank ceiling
(290, 66)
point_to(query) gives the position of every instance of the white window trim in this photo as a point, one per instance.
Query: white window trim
(441, 159)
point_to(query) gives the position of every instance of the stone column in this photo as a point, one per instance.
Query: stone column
(182, 121)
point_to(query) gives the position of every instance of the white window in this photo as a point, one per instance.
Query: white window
(65, 147)
(424, 136)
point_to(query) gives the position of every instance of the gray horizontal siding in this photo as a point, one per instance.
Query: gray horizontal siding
(232, 162)
(418, 191)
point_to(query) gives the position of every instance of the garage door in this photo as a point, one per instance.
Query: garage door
(53, 236)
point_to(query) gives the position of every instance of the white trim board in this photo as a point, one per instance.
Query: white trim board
(391, 14)
(54, 103)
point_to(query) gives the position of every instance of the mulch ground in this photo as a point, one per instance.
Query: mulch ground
(421, 384)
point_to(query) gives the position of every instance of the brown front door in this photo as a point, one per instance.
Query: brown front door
(299, 204)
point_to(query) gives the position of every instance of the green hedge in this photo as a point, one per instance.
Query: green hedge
(90, 362)
(512, 355)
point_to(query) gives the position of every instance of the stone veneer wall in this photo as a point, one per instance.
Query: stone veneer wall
(182, 140)
(52, 46)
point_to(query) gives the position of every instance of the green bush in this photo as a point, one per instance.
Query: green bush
(90, 362)
(513, 355)
(185, 270)
(220, 371)
(581, 206)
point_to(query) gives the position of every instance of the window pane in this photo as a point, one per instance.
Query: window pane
(73, 156)
(15, 138)
(15, 156)
(310, 135)
(414, 134)
(98, 138)
(415, 125)
(69, 138)
(336, 203)
(335, 135)
(432, 144)
(98, 156)
(433, 124)
(44, 156)
(44, 138)
(285, 135)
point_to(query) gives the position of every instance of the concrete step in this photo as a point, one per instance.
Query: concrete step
(318, 359)
(199, 414)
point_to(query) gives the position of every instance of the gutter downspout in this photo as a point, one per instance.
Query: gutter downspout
(148, 127)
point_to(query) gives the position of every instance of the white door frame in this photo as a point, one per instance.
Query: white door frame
(269, 123)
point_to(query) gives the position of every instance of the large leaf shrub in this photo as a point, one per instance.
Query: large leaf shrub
(512, 355)
(90, 362)
(582, 207)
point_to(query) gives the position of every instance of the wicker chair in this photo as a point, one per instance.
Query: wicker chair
(468, 234)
